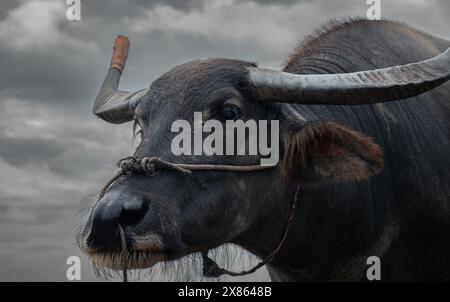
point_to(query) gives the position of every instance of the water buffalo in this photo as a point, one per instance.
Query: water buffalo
(364, 133)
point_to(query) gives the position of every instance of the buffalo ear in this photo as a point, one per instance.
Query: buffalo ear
(326, 150)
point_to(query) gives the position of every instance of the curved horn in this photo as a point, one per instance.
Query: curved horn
(112, 105)
(357, 88)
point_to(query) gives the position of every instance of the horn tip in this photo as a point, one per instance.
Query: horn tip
(122, 39)
(120, 52)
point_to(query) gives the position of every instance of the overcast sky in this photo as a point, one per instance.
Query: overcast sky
(53, 151)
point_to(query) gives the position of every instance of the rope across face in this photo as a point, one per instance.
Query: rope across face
(148, 165)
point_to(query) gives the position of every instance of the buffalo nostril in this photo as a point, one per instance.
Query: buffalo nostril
(103, 234)
(133, 211)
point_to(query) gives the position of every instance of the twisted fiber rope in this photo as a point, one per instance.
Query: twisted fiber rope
(124, 253)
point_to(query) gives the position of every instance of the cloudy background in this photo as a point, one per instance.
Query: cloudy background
(53, 151)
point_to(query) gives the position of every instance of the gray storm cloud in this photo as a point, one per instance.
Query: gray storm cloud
(53, 151)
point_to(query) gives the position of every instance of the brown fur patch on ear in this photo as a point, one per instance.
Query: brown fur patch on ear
(335, 151)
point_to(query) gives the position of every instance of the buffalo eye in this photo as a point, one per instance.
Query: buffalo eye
(228, 112)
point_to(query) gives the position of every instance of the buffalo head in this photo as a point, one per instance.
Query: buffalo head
(168, 215)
